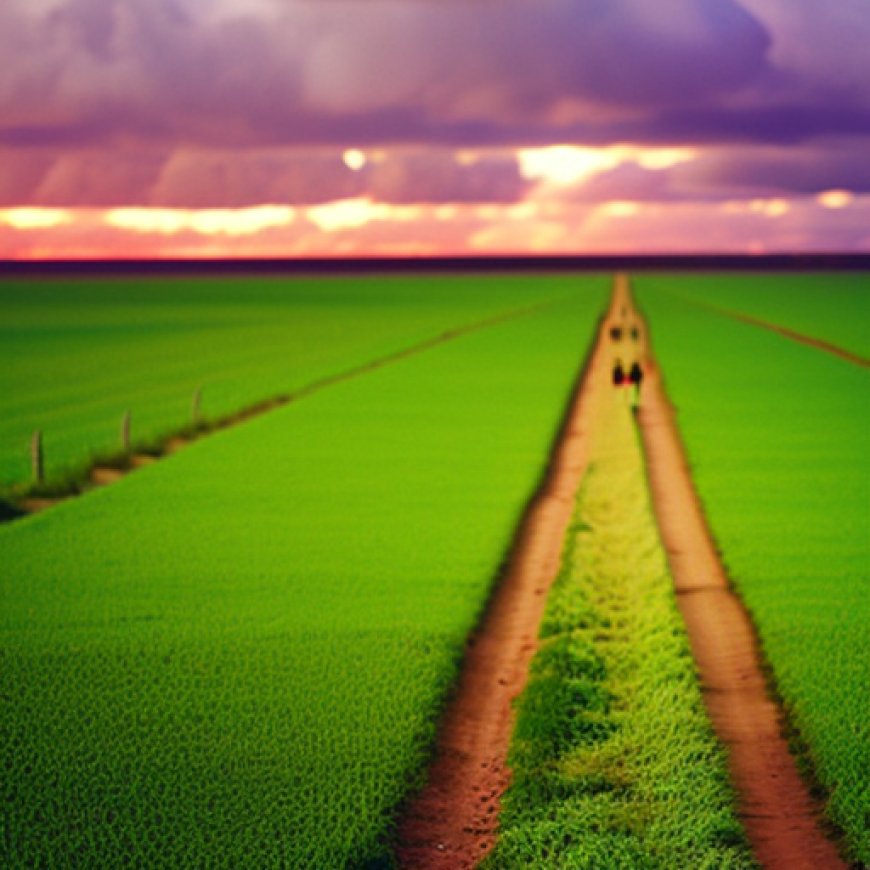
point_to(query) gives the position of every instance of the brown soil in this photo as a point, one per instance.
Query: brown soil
(780, 817)
(452, 824)
(35, 504)
(103, 475)
(176, 443)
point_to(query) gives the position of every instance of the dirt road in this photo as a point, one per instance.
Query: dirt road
(780, 817)
(453, 822)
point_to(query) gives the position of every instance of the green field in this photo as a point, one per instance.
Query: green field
(614, 762)
(777, 437)
(75, 355)
(237, 655)
(832, 307)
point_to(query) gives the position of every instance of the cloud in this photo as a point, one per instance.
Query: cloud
(771, 170)
(223, 178)
(231, 104)
(740, 226)
(302, 72)
(817, 52)
(96, 178)
(192, 178)
(441, 176)
(628, 181)
(21, 171)
(722, 173)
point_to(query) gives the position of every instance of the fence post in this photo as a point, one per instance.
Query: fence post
(37, 463)
(195, 404)
(125, 431)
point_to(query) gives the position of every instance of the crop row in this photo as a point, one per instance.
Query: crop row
(614, 761)
(75, 356)
(777, 437)
(237, 656)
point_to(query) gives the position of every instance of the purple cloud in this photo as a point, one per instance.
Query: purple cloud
(437, 176)
(236, 102)
(303, 72)
(838, 164)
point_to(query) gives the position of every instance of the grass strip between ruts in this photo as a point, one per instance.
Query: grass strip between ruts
(613, 757)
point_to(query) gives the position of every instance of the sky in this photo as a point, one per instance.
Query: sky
(215, 128)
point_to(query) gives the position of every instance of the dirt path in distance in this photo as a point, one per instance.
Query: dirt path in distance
(452, 824)
(780, 817)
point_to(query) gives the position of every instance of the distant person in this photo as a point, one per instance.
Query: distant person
(635, 376)
(618, 374)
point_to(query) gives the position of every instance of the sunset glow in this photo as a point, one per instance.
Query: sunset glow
(34, 217)
(361, 227)
(570, 164)
(208, 222)
(836, 198)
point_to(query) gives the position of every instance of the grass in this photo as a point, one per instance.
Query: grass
(614, 761)
(832, 307)
(777, 437)
(238, 655)
(76, 354)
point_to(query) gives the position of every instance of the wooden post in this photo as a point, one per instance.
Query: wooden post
(125, 431)
(195, 405)
(36, 458)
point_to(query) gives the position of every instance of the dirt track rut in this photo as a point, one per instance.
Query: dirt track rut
(780, 817)
(453, 822)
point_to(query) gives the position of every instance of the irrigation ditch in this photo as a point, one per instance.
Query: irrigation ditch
(784, 331)
(104, 470)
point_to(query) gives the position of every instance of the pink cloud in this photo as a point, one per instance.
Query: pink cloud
(805, 223)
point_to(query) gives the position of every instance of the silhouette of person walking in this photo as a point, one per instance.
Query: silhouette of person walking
(618, 374)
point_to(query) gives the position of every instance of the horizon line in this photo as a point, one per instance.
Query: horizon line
(784, 261)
